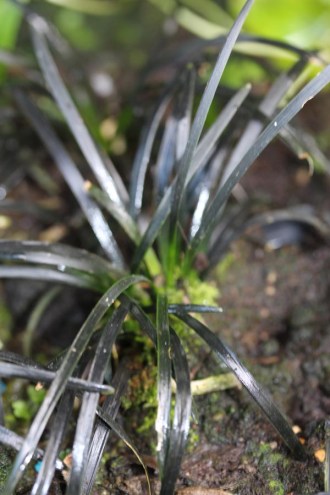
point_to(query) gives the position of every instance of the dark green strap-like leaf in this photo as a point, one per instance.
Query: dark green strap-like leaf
(182, 408)
(183, 111)
(48, 275)
(35, 316)
(191, 50)
(72, 176)
(176, 133)
(271, 131)
(193, 308)
(199, 162)
(291, 226)
(163, 382)
(305, 146)
(9, 370)
(59, 255)
(267, 107)
(207, 144)
(84, 429)
(102, 430)
(120, 432)
(181, 421)
(118, 212)
(257, 392)
(57, 387)
(15, 442)
(142, 156)
(203, 109)
(103, 169)
(14, 358)
(166, 159)
(49, 461)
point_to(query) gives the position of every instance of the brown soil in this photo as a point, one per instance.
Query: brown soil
(276, 319)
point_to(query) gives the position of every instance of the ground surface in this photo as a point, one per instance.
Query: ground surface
(276, 319)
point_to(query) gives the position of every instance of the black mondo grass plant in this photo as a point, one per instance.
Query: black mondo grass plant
(187, 232)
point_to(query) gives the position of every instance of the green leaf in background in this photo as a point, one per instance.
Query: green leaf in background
(25, 409)
(305, 23)
(10, 21)
(21, 409)
(94, 7)
(10, 18)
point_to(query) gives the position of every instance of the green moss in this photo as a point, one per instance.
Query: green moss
(276, 487)
(5, 465)
(193, 439)
(142, 395)
(225, 264)
(200, 292)
(142, 391)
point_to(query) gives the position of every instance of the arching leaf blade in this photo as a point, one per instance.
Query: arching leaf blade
(58, 385)
(257, 392)
(271, 131)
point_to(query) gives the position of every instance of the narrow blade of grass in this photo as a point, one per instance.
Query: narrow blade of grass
(246, 43)
(208, 180)
(102, 167)
(156, 224)
(72, 176)
(102, 430)
(193, 308)
(183, 111)
(305, 146)
(49, 461)
(182, 408)
(175, 135)
(115, 426)
(143, 154)
(163, 383)
(14, 441)
(257, 392)
(128, 225)
(118, 212)
(141, 317)
(14, 358)
(199, 161)
(271, 131)
(57, 255)
(89, 404)
(35, 316)
(202, 111)
(181, 421)
(267, 107)
(165, 159)
(59, 383)
(9, 370)
(48, 275)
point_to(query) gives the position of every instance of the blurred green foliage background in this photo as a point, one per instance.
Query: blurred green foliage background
(118, 39)
(93, 24)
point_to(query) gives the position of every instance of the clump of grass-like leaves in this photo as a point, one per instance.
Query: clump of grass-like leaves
(186, 232)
